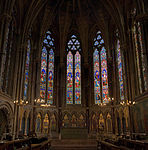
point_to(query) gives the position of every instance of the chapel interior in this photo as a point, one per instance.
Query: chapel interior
(73, 74)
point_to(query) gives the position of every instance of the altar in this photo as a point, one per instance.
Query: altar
(74, 133)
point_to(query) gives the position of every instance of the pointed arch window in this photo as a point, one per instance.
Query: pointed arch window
(100, 71)
(140, 58)
(73, 83)
(47, 69)
(120, 70)
(27, 70)
(6, 58)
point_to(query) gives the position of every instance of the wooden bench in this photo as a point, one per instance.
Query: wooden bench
(108, 146)
(135, 144)
(26, 144)
(22, 144)
(41, 146)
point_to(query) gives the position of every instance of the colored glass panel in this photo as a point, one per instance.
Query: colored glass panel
(142, 57)
(43, 73)
(73, 84)
(77, 78)
(100, 72)
(69, 78)
(46, 91)
(4, 58)
(137, 58)
(96, 77)
(104, 75)
(27, 71)
(8, 70)
(73, 44)
(50, 77)
(120, 71)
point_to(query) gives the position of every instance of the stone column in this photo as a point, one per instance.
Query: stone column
(16, 90)
(62, 87)
(19, 86)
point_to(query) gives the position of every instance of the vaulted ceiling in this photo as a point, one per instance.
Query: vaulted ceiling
(42, 13)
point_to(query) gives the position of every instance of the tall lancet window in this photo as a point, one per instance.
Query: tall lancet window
(73, 83)
(27, 70)
(100, 70)
(120, 70)
(140, 58)
(47, 69)
(6, 58)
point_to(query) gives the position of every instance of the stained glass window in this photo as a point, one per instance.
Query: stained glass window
(73, 84)
(140, 58)
(77, 78)
(100, 71)
(137, 58)
(69, 78)
(97, 77)
(47, 69)
(27, 71)
(104, 75)
(4, 60)
(43, 73)
(120, 70)
(9, 56)
(50, 77)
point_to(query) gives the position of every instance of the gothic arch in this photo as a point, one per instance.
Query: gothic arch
(7, 110)
(109, 123)
(94, 121)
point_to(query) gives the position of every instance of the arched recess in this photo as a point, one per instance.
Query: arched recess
(118, 123)
(123, 125)
(23, 123)
(82, 120)
(6, 119)
(66, 119)
(101, 123)
(74, 120)
(46, 124)
(28, 123)
(53, 122)
(127, 117)
(109, 123)
(38, 124)
(3, 123)
(93, 122)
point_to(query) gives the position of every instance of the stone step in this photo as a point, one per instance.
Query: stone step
(74, 145)
(73, 148)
